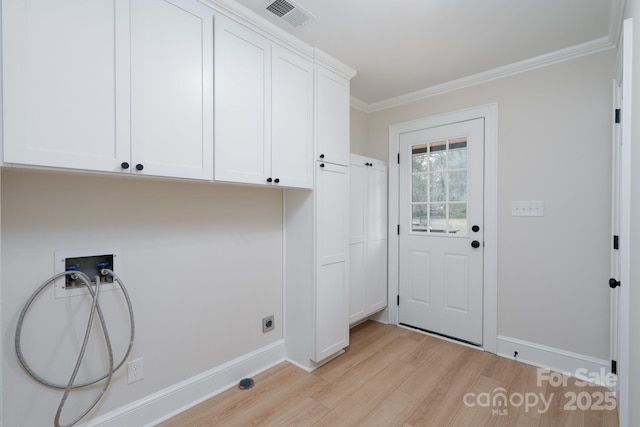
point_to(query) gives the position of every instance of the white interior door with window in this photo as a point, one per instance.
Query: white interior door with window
(441, 245)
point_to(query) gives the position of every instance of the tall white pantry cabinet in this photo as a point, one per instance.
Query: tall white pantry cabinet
(368, 237)
(317, 236)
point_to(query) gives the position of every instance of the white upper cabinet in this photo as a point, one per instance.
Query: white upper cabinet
(109, 85)
(292, 114)
(263, 110)
(242, 104)
(172, 88)
(332, 104)
(66, 83)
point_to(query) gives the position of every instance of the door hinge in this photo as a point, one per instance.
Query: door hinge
(616, 242)
(398, 229)
(398, 158)
(617, 117)
(398, 300)
(614, 367)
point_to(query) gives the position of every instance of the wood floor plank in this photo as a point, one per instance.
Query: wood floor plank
(358, 376)
(478, 403)
(397, 377)
(393, 411)
(298, 413)
(354, 408)
(440, 361)
(524, 383)
(361, 348)
(227, 405)
(581, 404)
(277, 402)
(443, 402)
(425, 346)
(502, 370)
(560, 411)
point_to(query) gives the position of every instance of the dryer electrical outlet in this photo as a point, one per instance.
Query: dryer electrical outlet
(88, 261)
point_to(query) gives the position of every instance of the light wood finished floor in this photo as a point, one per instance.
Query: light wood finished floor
(391, 376)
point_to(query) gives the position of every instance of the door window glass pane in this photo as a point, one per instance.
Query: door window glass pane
(420, 217)
(458, 186)
(438, 156)
(419, 190)
(458, 218)
(439, 187)
(420, 158)
(437, 217)
(458, 153)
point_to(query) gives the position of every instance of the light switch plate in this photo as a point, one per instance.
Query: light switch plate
(527, 208)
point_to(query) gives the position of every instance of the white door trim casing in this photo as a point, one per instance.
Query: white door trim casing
(625, 224)
(490, 276)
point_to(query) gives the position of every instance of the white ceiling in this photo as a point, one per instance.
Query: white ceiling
(399, 47)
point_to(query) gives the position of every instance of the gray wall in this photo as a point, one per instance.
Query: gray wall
(554, 143)
(222, 246)
(358, 137)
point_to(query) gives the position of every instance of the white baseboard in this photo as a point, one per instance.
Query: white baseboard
(552, 358)
(173, 400)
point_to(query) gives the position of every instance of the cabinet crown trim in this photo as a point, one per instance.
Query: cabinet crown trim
(333, 64)
(245, 16)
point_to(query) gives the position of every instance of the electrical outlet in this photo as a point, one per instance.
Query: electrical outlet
(268, 324)
(135, 371)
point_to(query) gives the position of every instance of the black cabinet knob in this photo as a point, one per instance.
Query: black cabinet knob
(475, 228)
(139, 166)
(321, 165)
(322, 156)
(277, 180)
(613, 283)
(475, 244)
(269, 179)
(124, 165)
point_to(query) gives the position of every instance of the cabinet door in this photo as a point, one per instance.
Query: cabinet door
(332, 103)
(66, 83)
(357, 242)
(292, 115)
(242, 104)
(172, 88)
(332, 311)
(376, 213)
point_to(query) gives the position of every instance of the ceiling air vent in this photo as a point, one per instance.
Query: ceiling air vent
(291, 12)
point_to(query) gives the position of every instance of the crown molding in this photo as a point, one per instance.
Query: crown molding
(333, 64)
(247, 17)
(360, 105)
(588, 48)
